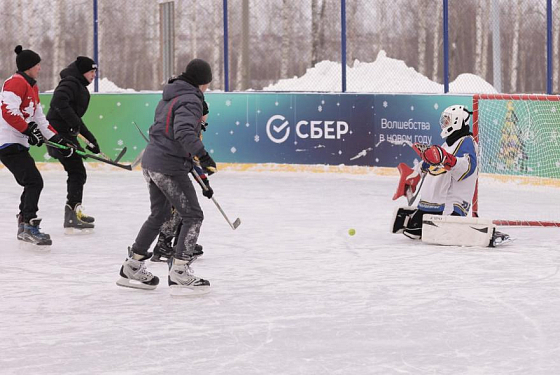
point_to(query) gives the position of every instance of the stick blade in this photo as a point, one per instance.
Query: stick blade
(120, 155)
(236, 223)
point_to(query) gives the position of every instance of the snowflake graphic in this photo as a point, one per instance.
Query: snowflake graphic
(228, 103)
(412, 108)
(257, 138)
(233, 150)
(120, 142)
(320, 108)
(385, 104)
(436, 106)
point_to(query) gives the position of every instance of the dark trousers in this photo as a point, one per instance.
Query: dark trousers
(166, 191)
(18, 161)
(74, 166)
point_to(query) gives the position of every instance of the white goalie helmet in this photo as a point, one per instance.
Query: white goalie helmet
(452, 119)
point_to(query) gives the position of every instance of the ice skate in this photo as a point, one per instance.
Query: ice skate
(499, 238)
(73, 221)
(134, 273)
(163, 251)
(81, 215)
(31, 233)
(183, 282)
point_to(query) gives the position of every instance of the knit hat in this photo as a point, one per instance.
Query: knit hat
(85, 64)
(26, 59)
(198, 72)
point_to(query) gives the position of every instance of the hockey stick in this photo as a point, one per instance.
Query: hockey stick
(237, 221)
(412, 198)
(89, 144)
(141, 132)
(89, 156)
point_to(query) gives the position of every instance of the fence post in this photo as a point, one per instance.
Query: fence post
(96, 45)
(549, 51)
(343, 42)
(226, 62)
(445, 46)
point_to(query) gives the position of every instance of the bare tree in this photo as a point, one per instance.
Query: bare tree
(437, 42)
(317, 35)
(514, 68)
(422, 37)
(286, 37)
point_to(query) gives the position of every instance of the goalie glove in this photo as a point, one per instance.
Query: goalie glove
(435, 155)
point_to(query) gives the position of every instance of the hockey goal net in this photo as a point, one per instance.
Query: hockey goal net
(519, 158)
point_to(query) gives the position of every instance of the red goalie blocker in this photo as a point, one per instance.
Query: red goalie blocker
(408, 181)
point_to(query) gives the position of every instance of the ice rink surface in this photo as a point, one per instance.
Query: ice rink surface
(292, 292)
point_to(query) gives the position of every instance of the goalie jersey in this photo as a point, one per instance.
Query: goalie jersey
(451, 191)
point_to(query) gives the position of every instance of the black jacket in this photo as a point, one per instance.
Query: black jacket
(69, 103)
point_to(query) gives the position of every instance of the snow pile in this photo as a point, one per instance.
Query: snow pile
(107, 86)
(384, 75)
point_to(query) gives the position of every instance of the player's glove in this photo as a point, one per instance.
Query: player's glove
(435, 155)
(93, 146)
(208, 164)
(208, 192)
(60, 152)
(34, 135)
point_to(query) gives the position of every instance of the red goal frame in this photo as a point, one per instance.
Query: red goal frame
(534, 97)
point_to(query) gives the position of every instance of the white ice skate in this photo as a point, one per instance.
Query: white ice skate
(183, 282)
(135, 275)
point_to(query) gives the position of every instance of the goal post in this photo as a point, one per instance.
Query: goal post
(519, 147)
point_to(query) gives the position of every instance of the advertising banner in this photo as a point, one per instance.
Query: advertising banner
(284, 128)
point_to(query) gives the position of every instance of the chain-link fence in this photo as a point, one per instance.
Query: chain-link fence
(391, 45)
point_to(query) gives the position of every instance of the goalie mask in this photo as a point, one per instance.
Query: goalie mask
(452, 119)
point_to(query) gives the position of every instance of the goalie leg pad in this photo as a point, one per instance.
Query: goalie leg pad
(401, 217)
(457, 230)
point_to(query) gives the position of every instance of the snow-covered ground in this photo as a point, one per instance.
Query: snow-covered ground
(292, 292)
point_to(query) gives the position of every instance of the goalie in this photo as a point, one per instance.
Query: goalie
(448, 173)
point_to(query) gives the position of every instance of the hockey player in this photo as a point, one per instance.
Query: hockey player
(69, 103)
(22, 124)
(167, 161)
(451, 173)
(170, 229)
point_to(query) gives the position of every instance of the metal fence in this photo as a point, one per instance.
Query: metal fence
(385, 45)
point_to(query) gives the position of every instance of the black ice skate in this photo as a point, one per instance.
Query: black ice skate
(499, 238)
(182, 280)
(31, 233)
(163, 251)
(134, 273)
(73, 220)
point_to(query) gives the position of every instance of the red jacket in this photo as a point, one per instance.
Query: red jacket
(19, 102)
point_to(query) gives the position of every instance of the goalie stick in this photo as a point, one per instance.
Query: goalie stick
(89, 156)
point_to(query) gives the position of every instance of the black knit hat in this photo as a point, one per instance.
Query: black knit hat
(198, 72)
(26, 59)
(85, 64)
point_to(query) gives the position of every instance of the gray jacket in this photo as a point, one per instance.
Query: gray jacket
(174, 136)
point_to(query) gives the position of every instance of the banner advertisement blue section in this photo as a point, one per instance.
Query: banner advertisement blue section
(291, 128)
(401, 120)
(331, 129)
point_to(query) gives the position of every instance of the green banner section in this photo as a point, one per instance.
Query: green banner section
(110, 118)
